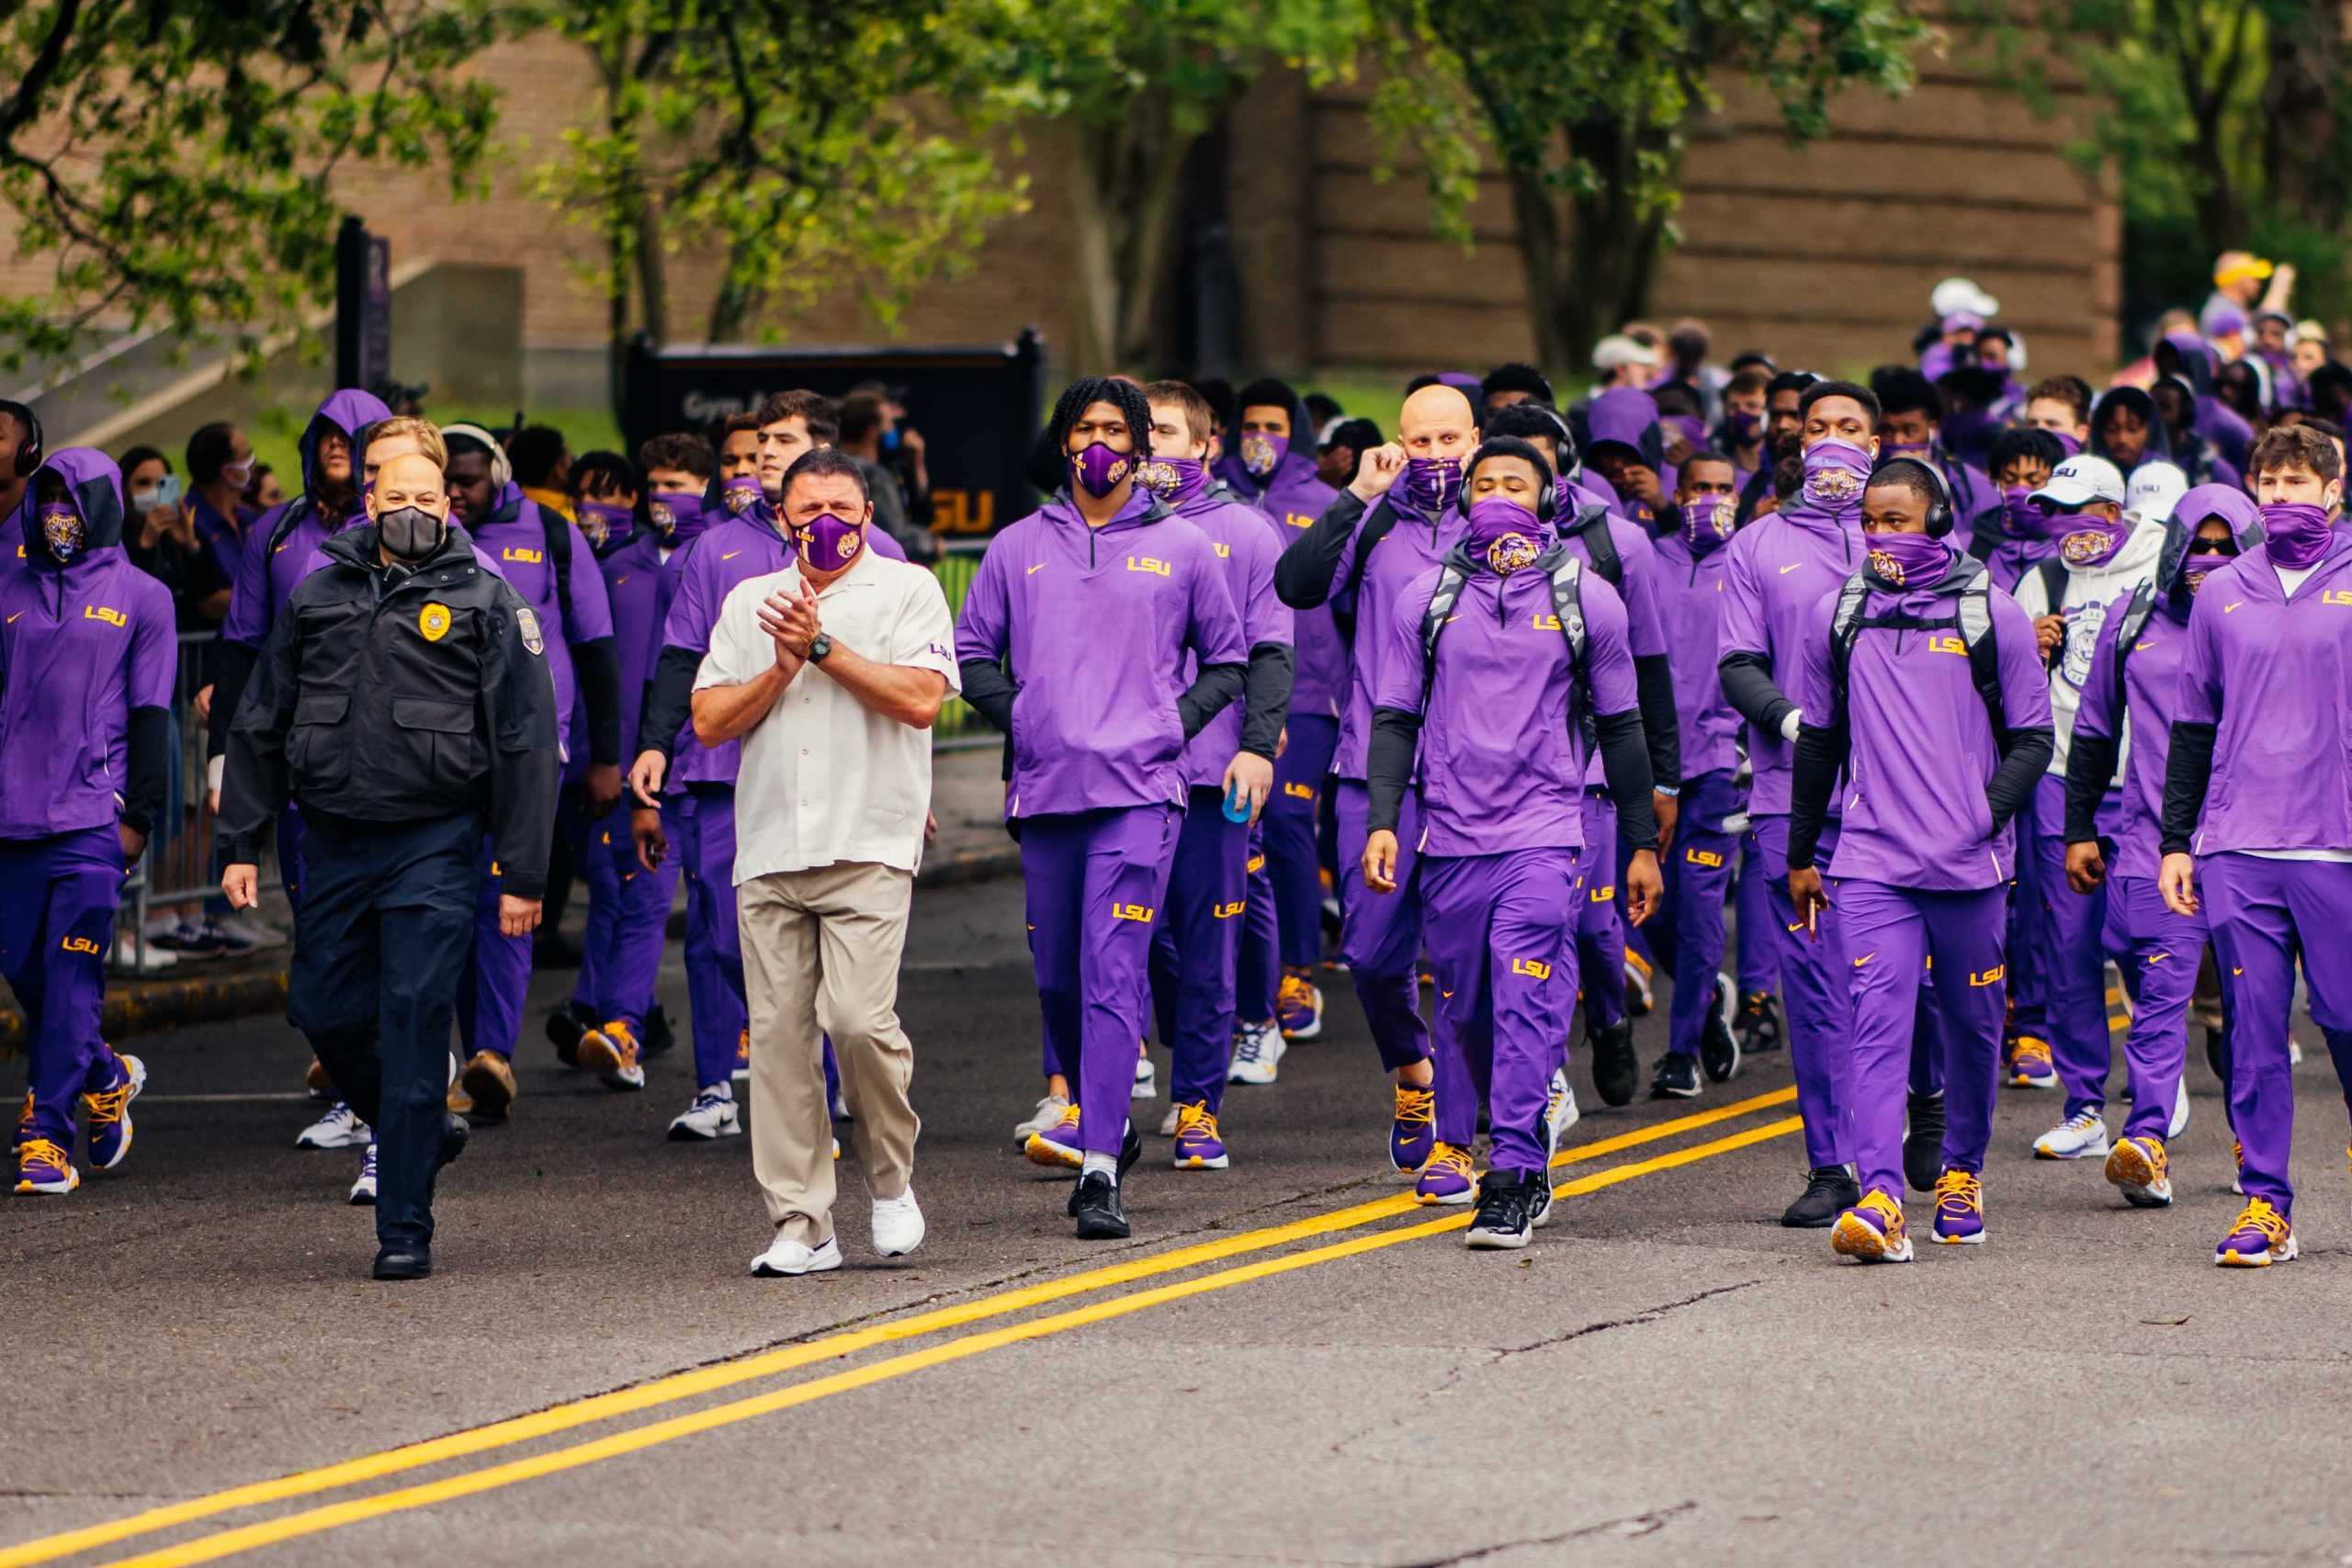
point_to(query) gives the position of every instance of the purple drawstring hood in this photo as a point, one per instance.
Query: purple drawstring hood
(1626, 416)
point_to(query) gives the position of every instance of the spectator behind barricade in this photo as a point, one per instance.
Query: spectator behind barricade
(863, 418)
(220, 466)
(542, 465)
(20, 456)
(160, 538)
(902, 450)
(265, 491)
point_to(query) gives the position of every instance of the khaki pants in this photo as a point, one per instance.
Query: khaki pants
(821, 954)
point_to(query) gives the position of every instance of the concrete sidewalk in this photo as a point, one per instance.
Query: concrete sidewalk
(967, 797)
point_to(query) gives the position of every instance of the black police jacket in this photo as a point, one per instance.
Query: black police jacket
(388, 696)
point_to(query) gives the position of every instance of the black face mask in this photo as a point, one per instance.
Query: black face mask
(412, 532)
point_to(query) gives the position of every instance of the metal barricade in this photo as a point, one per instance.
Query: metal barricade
(959, 728)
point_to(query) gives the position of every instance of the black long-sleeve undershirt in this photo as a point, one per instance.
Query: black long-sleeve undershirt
(598, 668)
(1749, 688)
(232, 670)
(1304, 571)
(146, 762)
(1661, 725)
(1265, 697)
(1211, 691)
(2090, 764)
(2025, 757)
(2188, 773)
(669, 701)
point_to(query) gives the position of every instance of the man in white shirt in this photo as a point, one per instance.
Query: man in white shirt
(830, 673)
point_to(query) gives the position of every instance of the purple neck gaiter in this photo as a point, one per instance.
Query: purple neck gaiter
(1429, 483)
(2087, 538)
(2021, 516)
(1835, 472)
(1707, 523)
(605, 527)
(678, 515)
(2296, 534)
(1175, 479)
(1906, 561)
(740, 494)
(1503, 534)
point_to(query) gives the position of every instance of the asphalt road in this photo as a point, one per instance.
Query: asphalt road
(1286, 1364)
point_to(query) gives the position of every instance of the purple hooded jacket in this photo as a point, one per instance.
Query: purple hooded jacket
(83, 645)
(514, 537)
(1099, 626)
(1921, 748)
(1247, 549)
(1415, 543)
(1690, 596)
(272, 565)
(1778, 569)
(1627, 416)
(1293, 498)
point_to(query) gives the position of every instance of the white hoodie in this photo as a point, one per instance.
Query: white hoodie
(2092, 591)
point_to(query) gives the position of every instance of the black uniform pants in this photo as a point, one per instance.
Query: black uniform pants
(379, 947)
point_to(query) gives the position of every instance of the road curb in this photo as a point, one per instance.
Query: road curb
(151, 1006)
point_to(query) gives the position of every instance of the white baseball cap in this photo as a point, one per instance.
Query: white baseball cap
(2084, 478)
(1617, 349)
(1957, 296)
(2155, 488)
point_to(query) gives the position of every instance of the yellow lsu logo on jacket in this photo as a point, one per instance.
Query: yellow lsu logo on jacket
(1708, 858)
(1145, 563)
(2337, 596)
(80, 944)
(1533, 968)
(1225, 552)
(1226, 911)
(1141, 913)
(100, 613)
(1992, 976)
(514, 552)
(1543, 622)
(1946, 645)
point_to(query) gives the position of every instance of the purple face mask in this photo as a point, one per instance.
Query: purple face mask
(1745, 427)
(62, 532)
(829, 543)
(1174, 479)
(1908, 560)
(1834, 474)
(2087, 538)
(1708, 521)
(2070, 441)
(1099, 470)
(1684, 425)
(1918, 451)
(2021, 516)
(2199, 565)
(1261, 454)
(604, 524)
(2296, 534)
(1503, 534)
(677, 515)
(740, 494)
(1430, 482)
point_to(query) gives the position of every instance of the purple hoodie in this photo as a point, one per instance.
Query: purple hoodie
(1690, 596)
(81, 645)
(1777, 571)
(1413, 544)
(1247, 549)
(1627, 416)
(515, 537)
(2274, 676)
(1099, 626)
(266, 573)
(1293, 498)
(632, 576)
(1499, 770)
(1914, 810)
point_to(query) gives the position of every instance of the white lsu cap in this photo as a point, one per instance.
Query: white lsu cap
(2084, 478)
(2155, 488)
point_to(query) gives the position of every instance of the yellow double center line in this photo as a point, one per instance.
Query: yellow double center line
(705, 1380)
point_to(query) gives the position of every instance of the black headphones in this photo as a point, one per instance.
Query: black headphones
(1940, 509)
(29, 453)
(1547, 496)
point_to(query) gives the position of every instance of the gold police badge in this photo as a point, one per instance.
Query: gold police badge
(433, 622)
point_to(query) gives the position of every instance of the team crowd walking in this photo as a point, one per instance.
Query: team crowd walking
(1886, 722)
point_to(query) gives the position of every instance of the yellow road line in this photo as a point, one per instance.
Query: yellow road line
(725, 1375)
(334, 1516)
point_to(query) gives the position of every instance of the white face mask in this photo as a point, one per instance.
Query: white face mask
(237, 474)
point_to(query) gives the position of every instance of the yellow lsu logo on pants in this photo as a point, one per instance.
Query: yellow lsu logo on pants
(1141, 913)
(1602, 894)
(1225, 552)
(1254, 865)
(1992, 976)
(100, 613)
(1297, 791)
(1533, 968)
(1226, 911)
(1946, 645)
(1703, 857)
(1145, 563)
(80, 944)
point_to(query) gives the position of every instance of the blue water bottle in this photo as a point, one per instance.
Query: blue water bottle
(1237, 804)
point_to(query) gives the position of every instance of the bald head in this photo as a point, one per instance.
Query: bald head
(1437, 422)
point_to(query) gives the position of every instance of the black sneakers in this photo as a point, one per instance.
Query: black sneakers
(1718, 1046)
(657, 1036)
(1095, 1203)
(1677, 1077)
(1616, 1071)
(405, 1261)
(565, 1026)
(1829, 1192)
(1923, 1141)
(1757, 1024)
(1508, 1203)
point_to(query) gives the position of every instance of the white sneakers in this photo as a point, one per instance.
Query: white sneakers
(1257, 1054)
(897, 1230)
(712, 1115)
(2080, 1136)
(339, 1128)
(898, 1224)
(1047, 1116)
(789, 1257)
(2179, 1112)
(1147, 1085)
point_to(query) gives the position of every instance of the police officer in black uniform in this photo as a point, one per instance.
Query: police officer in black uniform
(403, 700)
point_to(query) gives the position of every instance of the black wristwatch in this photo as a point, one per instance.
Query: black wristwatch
(820, 646)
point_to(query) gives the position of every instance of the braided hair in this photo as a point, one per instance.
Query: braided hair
(1083, 394)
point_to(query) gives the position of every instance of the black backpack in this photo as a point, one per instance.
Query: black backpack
(1970, 590)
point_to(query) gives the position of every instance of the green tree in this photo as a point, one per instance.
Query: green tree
(1142, 83)
(1585, 104)
(171, 159)
(805, 144)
